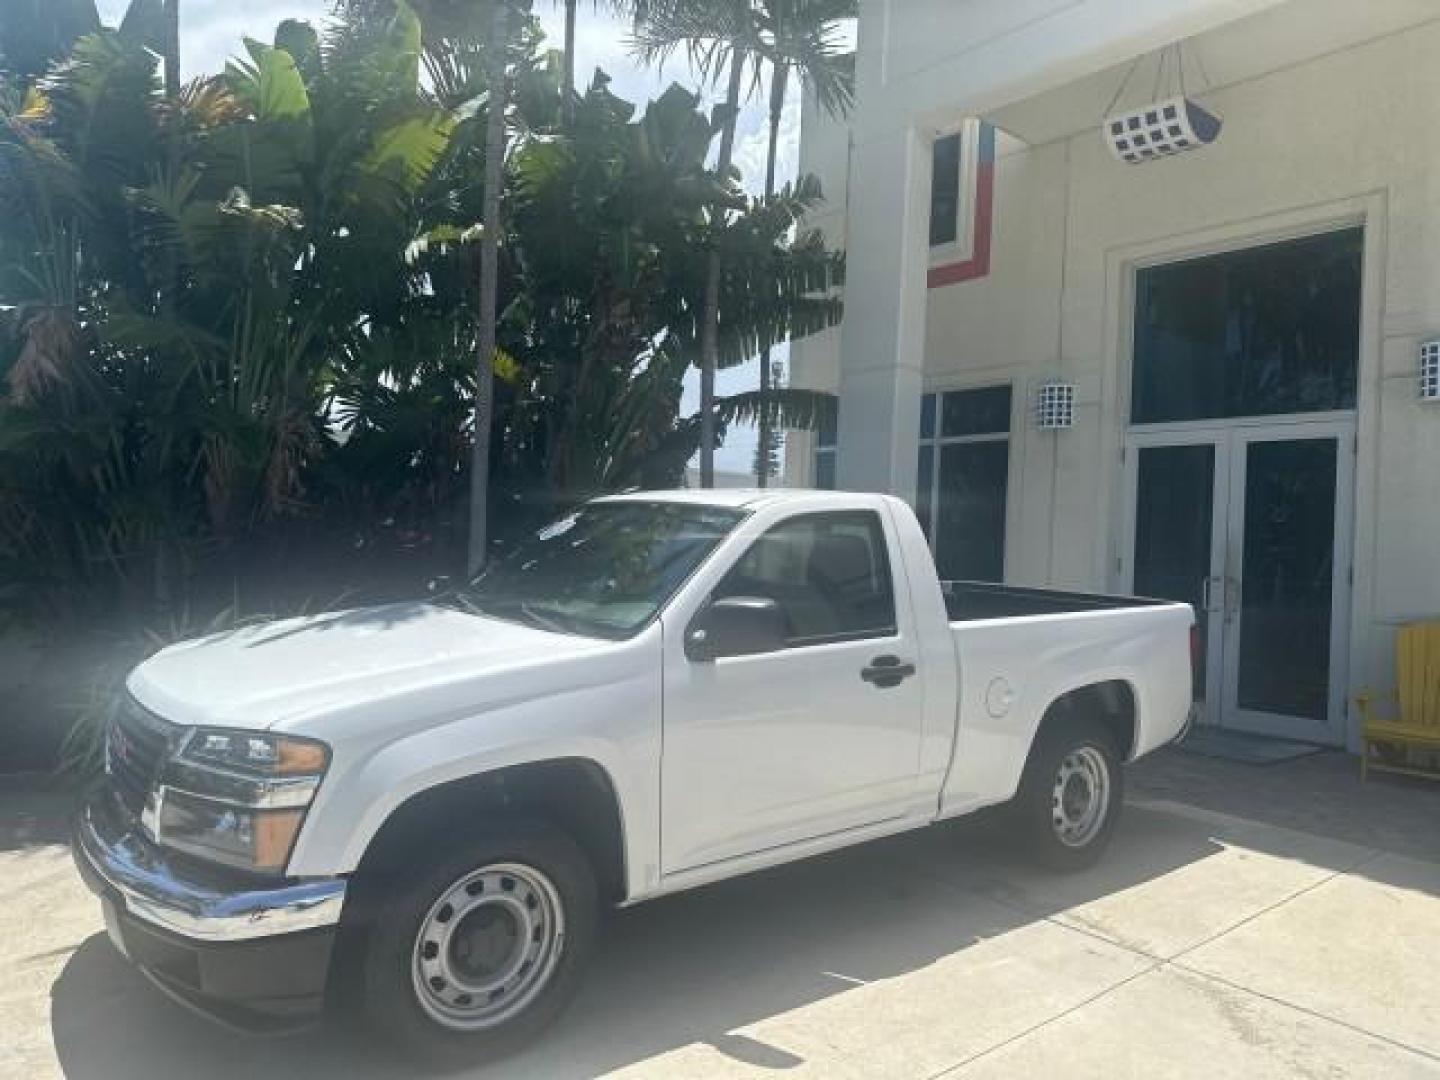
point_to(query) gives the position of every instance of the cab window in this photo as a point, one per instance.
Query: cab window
(828, 573)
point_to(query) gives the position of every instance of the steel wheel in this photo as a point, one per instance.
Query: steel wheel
(488, 946)
(1080, 796)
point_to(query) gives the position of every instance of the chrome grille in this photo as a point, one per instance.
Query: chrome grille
(136, 743)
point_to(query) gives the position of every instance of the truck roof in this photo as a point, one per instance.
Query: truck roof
(737, 498)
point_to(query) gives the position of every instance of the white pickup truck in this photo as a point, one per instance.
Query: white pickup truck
(425, 807)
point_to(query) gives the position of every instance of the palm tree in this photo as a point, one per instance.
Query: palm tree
(606, 264)
(36, 33)
(135, 425)
(171, 50)
(718, 35)
(567, 81)
(800, 38)
(637, 9)
(498, 85)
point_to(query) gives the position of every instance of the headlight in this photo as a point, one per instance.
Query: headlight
(247, 839)
(256, 752)
(238, 797)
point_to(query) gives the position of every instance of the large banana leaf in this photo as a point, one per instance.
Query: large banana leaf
(408, 152)
(269, 84)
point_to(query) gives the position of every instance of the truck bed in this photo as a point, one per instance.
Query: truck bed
(976, 601)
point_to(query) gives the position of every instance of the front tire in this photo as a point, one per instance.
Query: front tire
(1071, 794)
(474, 953)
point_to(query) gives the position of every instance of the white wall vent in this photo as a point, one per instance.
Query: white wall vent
(1430, 370)
(1055, 406)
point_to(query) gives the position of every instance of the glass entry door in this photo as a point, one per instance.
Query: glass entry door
(1179, 539)
(1287, 602)
(1247, 523)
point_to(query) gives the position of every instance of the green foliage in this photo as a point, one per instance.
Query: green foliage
(237, 328)
(36, 33)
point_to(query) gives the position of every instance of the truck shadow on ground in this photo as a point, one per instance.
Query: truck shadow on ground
(689, 970)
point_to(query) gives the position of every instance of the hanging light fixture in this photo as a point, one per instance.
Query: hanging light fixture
(1162, 127)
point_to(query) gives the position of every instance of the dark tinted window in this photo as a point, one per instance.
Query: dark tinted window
(826, 448)
(1174, 515)
(1289, 572)
(945, 191)
(825, 470)
(1249, 333)
(963, 480)
(828, 572)
(825, 434)
(970, 512)
(976, 412)
(924, 486)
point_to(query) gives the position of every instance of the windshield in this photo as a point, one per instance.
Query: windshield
(604, 570)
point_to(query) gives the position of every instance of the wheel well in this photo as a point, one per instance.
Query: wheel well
(574, 794)
(1112, 703)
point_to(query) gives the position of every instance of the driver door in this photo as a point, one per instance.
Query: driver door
(775, 748)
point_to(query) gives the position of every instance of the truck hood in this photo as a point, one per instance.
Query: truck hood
(260, 676)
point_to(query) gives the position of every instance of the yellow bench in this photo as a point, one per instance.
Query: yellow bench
(1417, 694)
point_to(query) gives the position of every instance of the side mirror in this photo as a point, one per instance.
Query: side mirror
(735, 626)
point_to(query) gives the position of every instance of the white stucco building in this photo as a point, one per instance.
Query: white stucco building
(1241, 323)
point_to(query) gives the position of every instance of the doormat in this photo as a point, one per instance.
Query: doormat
(1246, 749)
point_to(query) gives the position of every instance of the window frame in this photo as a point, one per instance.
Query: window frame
(876, 523)
(935, 444)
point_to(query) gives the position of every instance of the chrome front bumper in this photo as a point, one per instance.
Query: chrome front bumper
(116, 860)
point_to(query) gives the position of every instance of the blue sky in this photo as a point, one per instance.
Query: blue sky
(211, 31)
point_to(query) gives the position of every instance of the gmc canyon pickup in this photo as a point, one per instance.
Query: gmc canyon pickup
(425, 807)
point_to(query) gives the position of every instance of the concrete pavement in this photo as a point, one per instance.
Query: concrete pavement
(1205, 945)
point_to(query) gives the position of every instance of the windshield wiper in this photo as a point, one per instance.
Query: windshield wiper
(458, 599)
(545, 622)
(522, 611)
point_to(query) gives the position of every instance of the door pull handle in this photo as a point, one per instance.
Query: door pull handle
(885, 672)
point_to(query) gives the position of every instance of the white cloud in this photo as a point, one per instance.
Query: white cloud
(212, 31)
(753, 142)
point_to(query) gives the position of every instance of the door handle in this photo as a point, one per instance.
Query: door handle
(1207, 593)
(887, 671)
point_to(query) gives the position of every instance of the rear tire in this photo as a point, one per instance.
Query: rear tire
(1071, 793)
(472, 954)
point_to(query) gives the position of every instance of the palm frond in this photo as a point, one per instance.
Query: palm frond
(805, 37)
(785, 408)
(709, 32)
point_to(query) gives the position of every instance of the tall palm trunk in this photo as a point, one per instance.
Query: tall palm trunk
(169, 264)
(710, 312)
(489, 285)
(171, 30)
(765, 451)
(567, 107)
